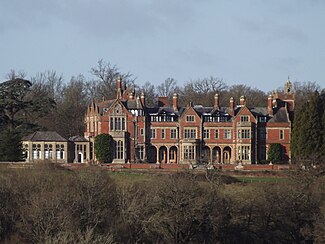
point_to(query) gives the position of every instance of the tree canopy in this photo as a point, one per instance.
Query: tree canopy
(17, 107)
(104, 148)
(275, 152)
(308, 135)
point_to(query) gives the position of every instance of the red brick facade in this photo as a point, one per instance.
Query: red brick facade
(193, 134)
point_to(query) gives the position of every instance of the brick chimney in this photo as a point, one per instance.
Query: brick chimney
(270, 104)
(175, 102)
(242, 101)
(131, 95)
(163, 102)
(119, 87)
(232, 106)
(143, 99)
(216, 101)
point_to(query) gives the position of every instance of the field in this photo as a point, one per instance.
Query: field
(54, 204)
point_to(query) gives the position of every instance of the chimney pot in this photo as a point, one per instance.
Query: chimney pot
(216, 101)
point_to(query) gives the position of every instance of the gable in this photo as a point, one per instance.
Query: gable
(190, 111)
(244, 111)
(117, 109)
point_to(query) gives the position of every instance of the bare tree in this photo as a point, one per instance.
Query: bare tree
(104, 84)
(303, 90)
(71, 109)
(254, 97)
(202, 91)
(149, 91)
(13, 74)
(49, 83)
(208, 85)
(167, 88)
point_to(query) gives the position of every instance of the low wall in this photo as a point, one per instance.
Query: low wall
(147, 166)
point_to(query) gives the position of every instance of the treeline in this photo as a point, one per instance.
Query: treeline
(48, 102)
(51, 205)
(71, 97)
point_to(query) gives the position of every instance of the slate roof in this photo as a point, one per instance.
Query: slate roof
(261, 111)
(77, 139)
(281, 116)
(44, 136)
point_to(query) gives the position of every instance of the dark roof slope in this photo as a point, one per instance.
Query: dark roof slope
(77, 139)
(44, 136)
(281, 116)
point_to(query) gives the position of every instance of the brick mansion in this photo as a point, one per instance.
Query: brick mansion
(170, 134)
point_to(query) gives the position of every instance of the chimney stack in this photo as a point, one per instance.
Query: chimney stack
(175, 102)
(270, 104)
(131, 95)
(242, 101)
(119, 87)
(216, 101)
(143, 99)
(232, 106)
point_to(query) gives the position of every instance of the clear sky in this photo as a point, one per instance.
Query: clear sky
(253, 42)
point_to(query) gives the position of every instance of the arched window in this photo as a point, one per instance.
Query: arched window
(60, 151)
(36, 151)
(25, 151)
(48, 151)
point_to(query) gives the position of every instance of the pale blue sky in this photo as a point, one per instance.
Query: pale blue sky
(253, 42)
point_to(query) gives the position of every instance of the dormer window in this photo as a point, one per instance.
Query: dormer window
(262, 119)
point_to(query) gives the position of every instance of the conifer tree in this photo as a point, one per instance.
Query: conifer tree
(309, 130)
(104, 148)
(275, 152)
(10, 146)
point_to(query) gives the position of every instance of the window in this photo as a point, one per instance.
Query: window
(163, 133)
(244, 118)
(190, 118)
(206, 134)
(262, 119)
(153, 133)
(48, 151)
(119, 150)
(190, 133)
(262, 133)
(60, 151)
(216, 134)
(281, 134)
(172, 155)
(91, 150)
(25, 151)
(141, 152)
(214, 118)
(141, 131)
(36, 151)
(227, 134)
(173, 133)
(244, 153)
(244, 134)
(117, 124)
(189, 152)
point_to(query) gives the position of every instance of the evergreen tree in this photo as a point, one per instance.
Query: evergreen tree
(10, 146)
(16, 105)
(309, 130)
(275, 152)
(104, 148)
